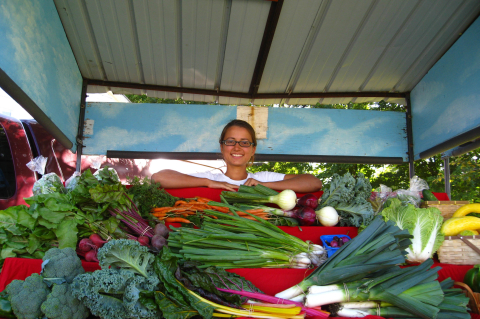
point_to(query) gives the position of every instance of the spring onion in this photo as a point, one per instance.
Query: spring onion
(287, 199)
(235, 242)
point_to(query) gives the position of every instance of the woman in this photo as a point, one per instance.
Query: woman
(238, 145)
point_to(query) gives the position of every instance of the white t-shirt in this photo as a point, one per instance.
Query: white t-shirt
(263, 177)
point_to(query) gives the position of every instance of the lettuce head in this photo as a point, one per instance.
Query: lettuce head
(423, 223)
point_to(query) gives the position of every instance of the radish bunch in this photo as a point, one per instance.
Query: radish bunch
(88, 247)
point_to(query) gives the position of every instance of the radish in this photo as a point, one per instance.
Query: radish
(144, 241)
(97, 240)
(85, 245)
(91, 255)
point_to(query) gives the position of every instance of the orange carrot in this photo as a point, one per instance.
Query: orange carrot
(254, 211)
(179, 202)
(160, 209)
(203, 199)
(177, 220)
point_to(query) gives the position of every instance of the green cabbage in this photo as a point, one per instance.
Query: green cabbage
(423, 223)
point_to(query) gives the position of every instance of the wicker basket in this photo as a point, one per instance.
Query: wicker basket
(474, 297)
(460, 250)
(447, 207)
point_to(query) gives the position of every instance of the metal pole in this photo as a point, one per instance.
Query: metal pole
(408, 116)
(446, 171)
(81, 122)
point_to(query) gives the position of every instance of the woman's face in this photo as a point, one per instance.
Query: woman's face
(237, 155)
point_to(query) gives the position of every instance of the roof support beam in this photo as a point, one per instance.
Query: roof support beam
(270, 27)
(243, 95)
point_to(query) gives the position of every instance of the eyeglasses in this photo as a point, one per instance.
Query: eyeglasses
(241, 143)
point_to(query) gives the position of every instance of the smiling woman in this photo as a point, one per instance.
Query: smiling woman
(238, 145)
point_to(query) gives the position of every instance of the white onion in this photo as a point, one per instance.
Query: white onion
(327, 216)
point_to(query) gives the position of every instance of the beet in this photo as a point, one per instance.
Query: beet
(161, 229)
(144, 241)
(97, 240)
(306, 216)
(91, 255)
(85, 245)
(344, 239)
(334, 243)
(308, 200)
(158, 242)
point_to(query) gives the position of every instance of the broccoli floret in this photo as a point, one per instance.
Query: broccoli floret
(62, 263)
(128, 254)
(26, 296)
(61, 304)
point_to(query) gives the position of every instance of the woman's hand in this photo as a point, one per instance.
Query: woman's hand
(251, 182)
(222, 185)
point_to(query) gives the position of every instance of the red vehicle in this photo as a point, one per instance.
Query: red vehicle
(23, 140)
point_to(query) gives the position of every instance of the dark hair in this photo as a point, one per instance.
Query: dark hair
(245, 125)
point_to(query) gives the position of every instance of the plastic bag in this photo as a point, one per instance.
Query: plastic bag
(97, 162)
(107, 175)
(38, 164)
(72, 181)
(379, 197)
(49, 183)
(414, 194)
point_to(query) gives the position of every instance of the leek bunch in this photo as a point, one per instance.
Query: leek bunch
(365, 269)
(235, 242)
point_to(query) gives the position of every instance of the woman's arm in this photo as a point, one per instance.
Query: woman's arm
(303, 183)
(173, 179)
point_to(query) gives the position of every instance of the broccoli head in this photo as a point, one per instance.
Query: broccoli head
(62, 263)
(61, 304)
(26, 296)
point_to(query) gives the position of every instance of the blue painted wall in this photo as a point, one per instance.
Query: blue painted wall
(446, 102)
(35, 53)
(196, 128)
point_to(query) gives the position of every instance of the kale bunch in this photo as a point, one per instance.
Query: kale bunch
(349, 195)
(117, 290)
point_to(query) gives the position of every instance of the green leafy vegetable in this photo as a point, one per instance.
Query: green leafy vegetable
(349, 197)
(423, 223)
(147, 194)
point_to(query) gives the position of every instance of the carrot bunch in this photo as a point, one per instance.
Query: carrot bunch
(192, 206)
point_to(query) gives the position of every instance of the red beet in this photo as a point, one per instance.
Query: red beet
(306, 216)
(158, 242)
(97, 240)
(308, 200)
(144, 241)
(85, 245)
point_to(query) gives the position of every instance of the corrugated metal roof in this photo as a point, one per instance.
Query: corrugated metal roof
(238, 48)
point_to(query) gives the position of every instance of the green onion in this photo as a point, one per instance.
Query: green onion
(236, 242)
(287, 199)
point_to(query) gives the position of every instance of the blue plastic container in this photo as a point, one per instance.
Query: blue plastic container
(328, 238)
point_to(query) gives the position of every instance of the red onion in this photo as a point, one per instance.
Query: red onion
(308, 200)
(306, 216)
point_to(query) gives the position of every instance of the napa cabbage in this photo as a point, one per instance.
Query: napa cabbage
(423, 223)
